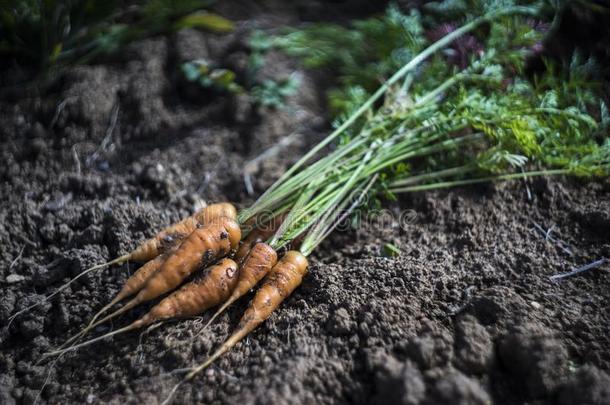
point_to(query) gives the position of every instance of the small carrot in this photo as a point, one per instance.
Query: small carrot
(260, 260)
(285, 276)
(203, 247)
(212, 288)
(163, 241)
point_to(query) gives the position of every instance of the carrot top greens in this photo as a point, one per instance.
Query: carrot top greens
(421, 105)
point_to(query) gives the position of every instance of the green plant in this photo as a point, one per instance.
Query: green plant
(202, 72)
(51, 32)
(271, 93)
(443, 125)
(268, 93)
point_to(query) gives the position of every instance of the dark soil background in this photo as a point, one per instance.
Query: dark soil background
(466, 314)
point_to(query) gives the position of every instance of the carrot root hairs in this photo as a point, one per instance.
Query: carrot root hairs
(212, 288)
(118, 260)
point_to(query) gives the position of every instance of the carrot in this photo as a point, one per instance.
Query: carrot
(214, 211)
(174, 234)
(260, 260)
(285, 276)
(258, 234)
(212, 288)
(203, 247)
(163, 241)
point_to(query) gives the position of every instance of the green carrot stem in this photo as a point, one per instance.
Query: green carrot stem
(454, 171)
(455, 183)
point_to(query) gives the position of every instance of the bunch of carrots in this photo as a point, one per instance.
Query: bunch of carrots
(223, 254)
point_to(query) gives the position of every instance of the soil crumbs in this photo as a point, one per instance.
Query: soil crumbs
(466, 314)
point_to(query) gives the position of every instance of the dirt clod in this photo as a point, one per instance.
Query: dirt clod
(398, 383)
(535, 358)
(32, 327)
(474, 347)
(588, 385)
(431, 349)
(340, 323)
(456, 388)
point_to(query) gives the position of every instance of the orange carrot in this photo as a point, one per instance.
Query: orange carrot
(137, 281)
(207, 291)
(260, 260)
(203, 247)
(213, 287)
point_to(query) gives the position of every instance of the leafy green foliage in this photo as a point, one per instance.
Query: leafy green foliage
(390, 250)
(458, 10)
(466, 113)
(459, 110)
(50, 32)
(361, 55)
(273, 94)
(202, 72)
(208, 21)
(259, 43)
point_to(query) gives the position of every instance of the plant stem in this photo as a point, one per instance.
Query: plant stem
(447, 184)
(454, 171)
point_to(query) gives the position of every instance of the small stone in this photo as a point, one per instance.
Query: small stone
(14, 278)
(535, 305)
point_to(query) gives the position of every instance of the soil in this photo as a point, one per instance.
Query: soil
(466, 314)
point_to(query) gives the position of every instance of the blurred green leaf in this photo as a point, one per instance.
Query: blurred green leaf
(207, 21)
(49, 32)
(390, 250)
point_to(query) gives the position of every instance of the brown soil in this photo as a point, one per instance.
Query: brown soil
(466, 314)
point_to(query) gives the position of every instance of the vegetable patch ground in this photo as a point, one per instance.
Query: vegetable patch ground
(465, 314)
